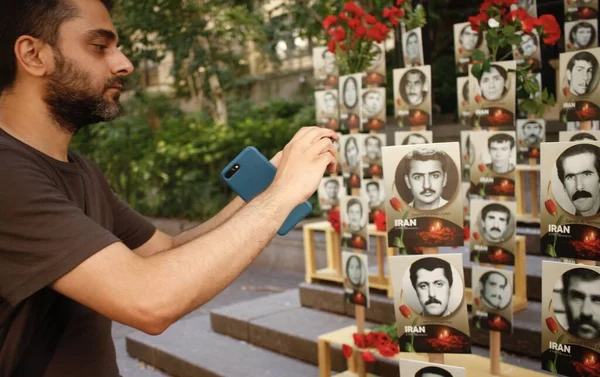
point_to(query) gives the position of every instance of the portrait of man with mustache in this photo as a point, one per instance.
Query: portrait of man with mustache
(413, 87)
(425, 173)
(578, 170)
(432, 280)
(581, 296)
(495, 220)
(495, 291)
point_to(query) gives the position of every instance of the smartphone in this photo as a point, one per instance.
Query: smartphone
(249, 174)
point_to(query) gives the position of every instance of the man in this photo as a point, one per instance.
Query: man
(425, 175)
(329, 63)
(412, 87)
(355, 271)
(501, 148)
(580, 70)
(582, 35)
(413, 48)
(583, 136)
(372, 103)
(495, 218)
(351, 154)
(73, 257)
(414, 139)
(581, 295)
(377, 60)
(330, 105)
(332, 189)
(374, 194)
(350, 91)
(528, 45)
(431, 278)
(469, 39)
(373, 147)
(533, 133)
(577, 169)
(355, 215)
(494, 84)
(433, 372)
(493, 289)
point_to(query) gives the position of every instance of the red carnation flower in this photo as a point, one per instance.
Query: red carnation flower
(329, 21)
(370, 19)
(551, 29)
(367, 357)
(347, 351)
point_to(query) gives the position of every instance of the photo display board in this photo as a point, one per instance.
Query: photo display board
(494, 96)
(492, 299)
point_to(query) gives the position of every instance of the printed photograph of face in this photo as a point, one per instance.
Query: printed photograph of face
(375, 193)
(412, 48)
(329, 103)
(413, 87)
(528, 46)
(414, 139)
(495, 223)
(356, 216)
(426, 178)
(531, 132)
(587, 125)
(350, 92)
(530, 6)
(576, 180)
(356, 271)
(329, 63)
(470, 39)
(579, 299)
(351, 154)
(373, 102)
(495, 290)
(583, 35)
(502, 153)
(323, 63)
(432, 287)
(493, 85)
(378, 58)
(413, 368)
(578, 136)
(330, 191)
(373, 145)
(581, 73)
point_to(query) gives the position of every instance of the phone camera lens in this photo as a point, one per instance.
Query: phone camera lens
(232, 171)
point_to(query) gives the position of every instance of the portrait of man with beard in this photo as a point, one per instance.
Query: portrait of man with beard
(578, 170)
(581, 299)
(531, 133)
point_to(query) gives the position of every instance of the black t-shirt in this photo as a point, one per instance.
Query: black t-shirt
(53, 216)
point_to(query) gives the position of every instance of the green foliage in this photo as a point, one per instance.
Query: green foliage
(173, 169)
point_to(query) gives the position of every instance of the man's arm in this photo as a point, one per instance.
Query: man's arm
(151, 293)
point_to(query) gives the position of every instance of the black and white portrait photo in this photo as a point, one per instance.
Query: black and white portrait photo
(529, 45)
(378, 61)
(501, 151)
(374, 191)
(414, 368)
(528, 52)
(494, 95)
(325, 69)
(495, 222)
(463, 101)
(530, 6)
(432, 287)
(414, 87)
(576, 181)
(466, 42)
(354, 212)
(412, 48)
(350, 92)
(330, 190)
(493, 85)
(372, 163)
(581, 35)
(531, 132)
(413, 138)
(495, 290)
(581, 73)
(350, 101)
(327, 108)
(373, 105)
(412, 99)
(352, 150)
(356, 278)
(578, 135)
(493, 225)
(492, 298)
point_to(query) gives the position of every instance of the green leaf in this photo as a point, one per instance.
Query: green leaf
(477, 70)
(509, 31)
(545, 95)
(478, 55)
(529, 106)
(486, 65)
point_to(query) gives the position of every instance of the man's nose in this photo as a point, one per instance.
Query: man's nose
(426, 182)
(587, 308)
(579, 182)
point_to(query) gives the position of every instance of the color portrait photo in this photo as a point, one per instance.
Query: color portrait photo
(492, 299)
(431, 312)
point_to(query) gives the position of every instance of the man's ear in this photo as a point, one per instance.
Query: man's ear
(407, 181)
(34, 56)
(445, 179)
(568, 74)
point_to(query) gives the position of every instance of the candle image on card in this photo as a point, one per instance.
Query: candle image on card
(412, 98)
(356, 278)
(570, 319)
(492, 299)
(431, 312)
(492, 172)
(578, 97)
(581, 10)
(493, 226)
(494, 94)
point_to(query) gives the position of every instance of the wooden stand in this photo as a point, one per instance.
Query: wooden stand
(532, 172)
(477, 365)
(333, 271)
(495, 344)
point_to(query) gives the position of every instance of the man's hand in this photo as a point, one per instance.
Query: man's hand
(303, 162)
(277, 159)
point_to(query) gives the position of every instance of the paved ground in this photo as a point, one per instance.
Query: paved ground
(251, 284)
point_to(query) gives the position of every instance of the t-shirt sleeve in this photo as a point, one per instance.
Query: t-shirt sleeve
(133, 229)
(43, 235)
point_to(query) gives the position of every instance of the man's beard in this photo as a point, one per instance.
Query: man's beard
(72, 104)
(575, 325)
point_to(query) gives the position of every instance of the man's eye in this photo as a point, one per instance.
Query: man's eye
(436, 175)
(100, 47)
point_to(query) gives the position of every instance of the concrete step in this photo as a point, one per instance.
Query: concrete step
(190, 348)
(279, 323)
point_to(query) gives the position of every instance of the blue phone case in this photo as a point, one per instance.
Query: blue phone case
(254, 175)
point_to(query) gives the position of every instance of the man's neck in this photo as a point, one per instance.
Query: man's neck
(26, 118)
(501, 168)
(427, 206)
(592, 211)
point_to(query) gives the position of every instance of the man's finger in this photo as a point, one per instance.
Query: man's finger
(320, 147)
(317, 134)
(303, 131)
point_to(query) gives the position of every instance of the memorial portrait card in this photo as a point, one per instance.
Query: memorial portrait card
(373, 109)
(431, 310)
(493, 168)
(413, 137)
(352, 152)
(578, 136)
(581, 10)
(412, 96)
(492, 299)
(578, 93)
(581, 35)
(587, 125)
(570, 191)
(530, 134)
(423, 196)
(467, 153)
(466, 187)
(463, 101)
(412, 47)
(570, 319)
(466, 42)
(493, 231)
(327, 109)
(374, 191)
(330, 190)
(375, 74)
(414, 368)
(354, 213)
(529, 52)
(372, 160)
(350, 90)
(325, 68)
(356, 278)
(494, 96)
